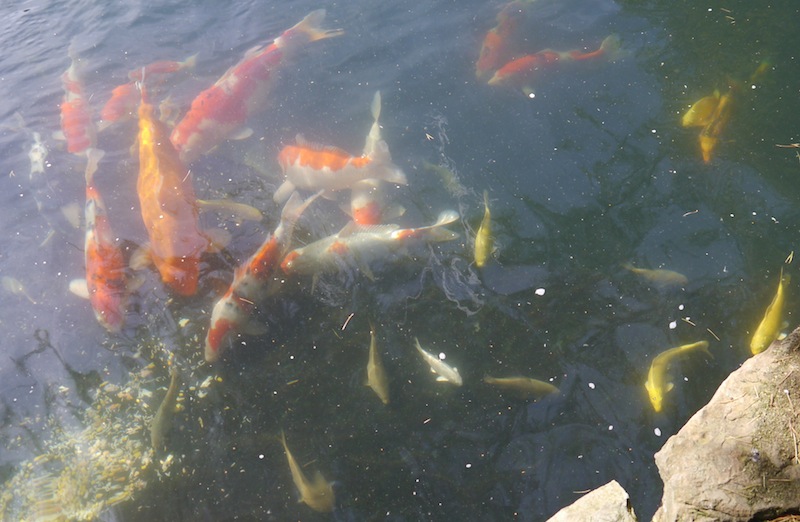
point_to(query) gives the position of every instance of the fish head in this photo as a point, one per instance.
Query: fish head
(656, 399)
(288, 264)
(216, 337)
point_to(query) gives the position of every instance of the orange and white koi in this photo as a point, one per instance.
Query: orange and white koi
(313, 167)
(168, 205)
(232, 314)
(222, 110)
(497, 47)
(106, 284)
(77, 123)
(360, 246)
(521, 71)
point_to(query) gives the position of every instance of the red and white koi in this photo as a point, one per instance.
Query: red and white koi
(77, 123)
(521, 71)
(359, 246)
(221, 111)
(125, 98)
(106, 284)
(232, 314)
(168, 205)
(313, 167)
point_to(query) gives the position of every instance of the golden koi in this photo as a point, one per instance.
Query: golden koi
(484, 242)
(317, 494)
(162, 420)
(523, 387)
(168, 205)
(376, 374)
(659, 277)
(769, 327)
(657, 385)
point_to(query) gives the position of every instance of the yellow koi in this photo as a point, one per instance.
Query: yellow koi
(483, 239)
(659, 277)
(657, 385)
(769, 328)
(162, 421)
(376, 374)
(318, 495)
(523, 387)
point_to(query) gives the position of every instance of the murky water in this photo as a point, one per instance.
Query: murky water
(591, 173)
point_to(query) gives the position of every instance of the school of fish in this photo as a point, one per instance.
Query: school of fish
(312, 173)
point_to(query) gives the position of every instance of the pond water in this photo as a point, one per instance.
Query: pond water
(589, 172)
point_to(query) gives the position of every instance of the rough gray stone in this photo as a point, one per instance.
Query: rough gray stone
(609, 503)
(737, 458)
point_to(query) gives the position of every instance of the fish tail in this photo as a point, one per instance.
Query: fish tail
(93, 157)
(610, 47)
(374, 135)
(311, 26)
(188, 63)
(291, 212)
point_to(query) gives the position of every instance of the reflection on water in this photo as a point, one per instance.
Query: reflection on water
(592, 175)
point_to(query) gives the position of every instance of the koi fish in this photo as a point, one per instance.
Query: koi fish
(497, 46)
(769, 327)
(659, 277)
(217, 113)
(317, 494)
(483, 238)
(521, 71)
(168, 205)
(125, 98)
(657, 385)
(162, 67)
(122, 104)
(77, 124)
(232, 314)
(445, 372)
(376, 374)
(51, 202)
(162, 420)
(106, 284)
(713, 114)
(308, 166)
(524, 387)
(362, 245)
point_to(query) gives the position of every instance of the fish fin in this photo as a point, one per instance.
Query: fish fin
(93, 157)
(255, 328)
(242, 134)
(669, 386)
(311, 26)
(367, 271)
(134, 283)
(72, 213)
(103, 125)
(283, 192)
(240, 211)
(349, 229)
(611, 47)
(141, 258)
(59, 135)
(441, 379)
(79, 288)
(190, 62)
(218, 239)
